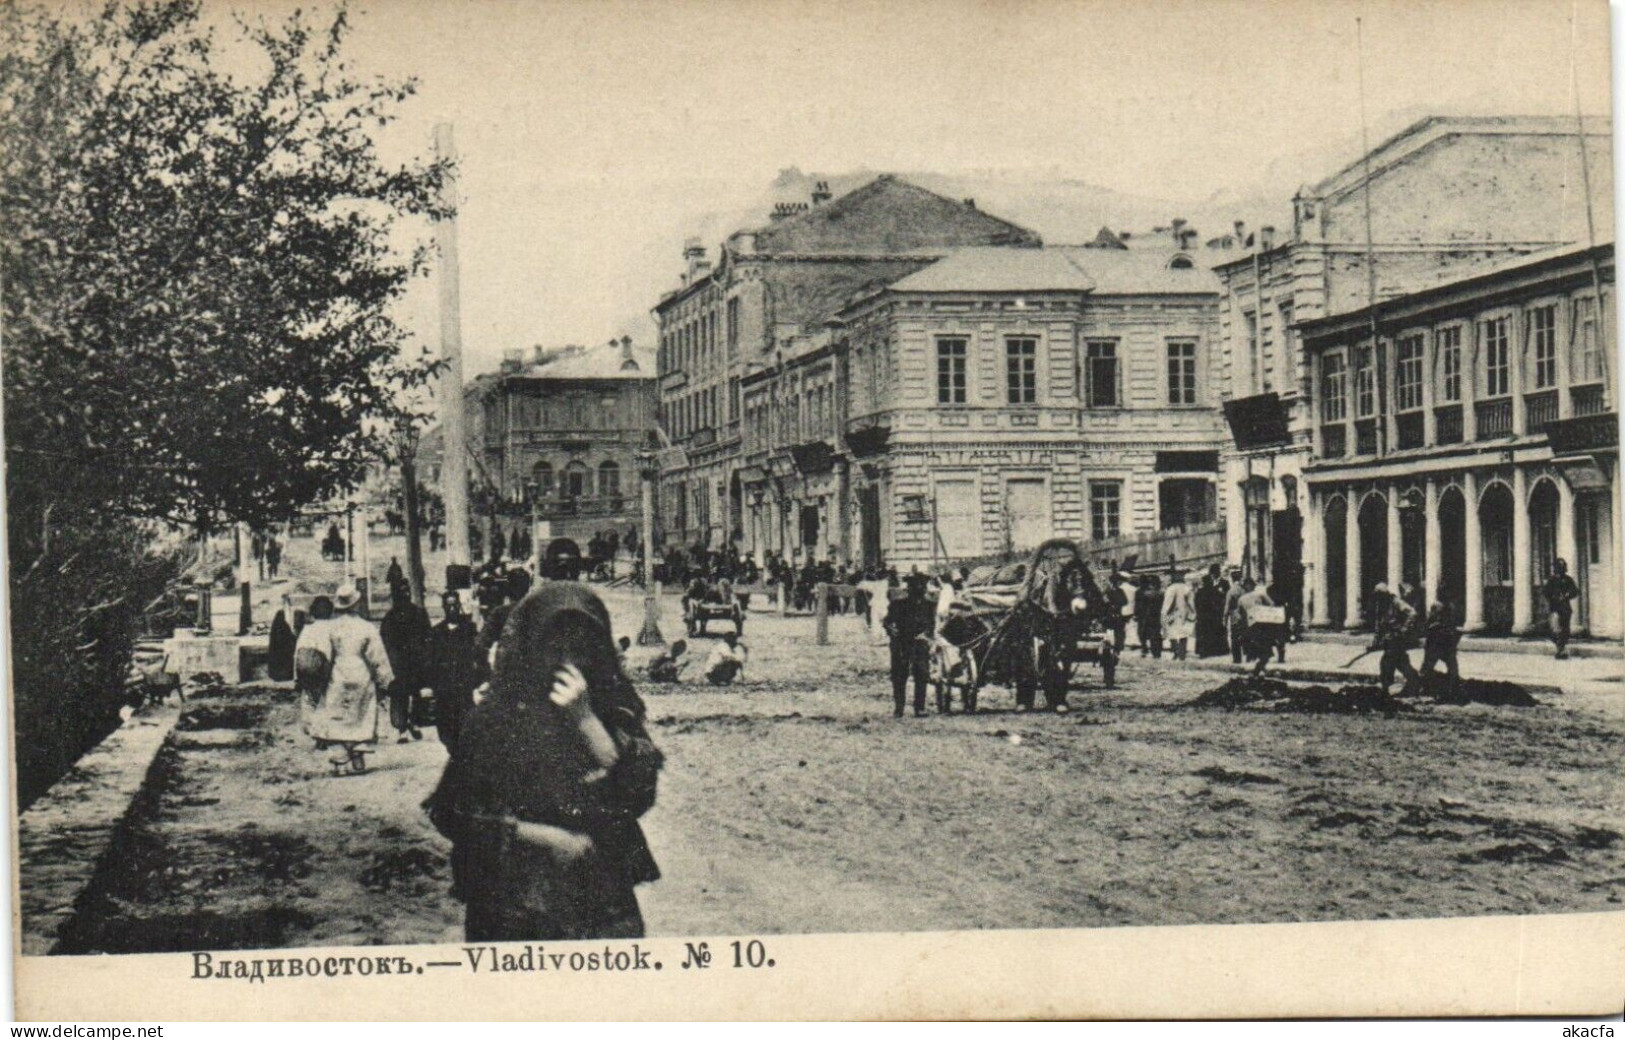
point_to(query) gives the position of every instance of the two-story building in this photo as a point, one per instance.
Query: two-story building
(1000, 397)
(1446, 194)
(1466, 436)
(557, 436)
(768, 287)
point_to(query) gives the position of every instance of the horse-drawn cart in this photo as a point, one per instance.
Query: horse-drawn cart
(712, 602)
(1025, 635)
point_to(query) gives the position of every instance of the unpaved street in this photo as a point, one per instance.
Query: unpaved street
(796, 803)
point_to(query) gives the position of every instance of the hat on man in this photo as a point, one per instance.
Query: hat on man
(346, 596)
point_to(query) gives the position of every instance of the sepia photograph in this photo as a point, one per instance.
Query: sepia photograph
(611, 473)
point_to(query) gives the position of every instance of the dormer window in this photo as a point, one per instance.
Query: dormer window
(1181, 262)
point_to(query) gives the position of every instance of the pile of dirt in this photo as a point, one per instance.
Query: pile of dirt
(1261, 693)
(1346, 700)
(1221, 775)
(1477, 691)
(1241, 692)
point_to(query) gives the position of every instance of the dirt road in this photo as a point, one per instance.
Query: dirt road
(795, 803)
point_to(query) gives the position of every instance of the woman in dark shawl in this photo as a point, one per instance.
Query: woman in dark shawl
(552, 771)
(1210, 597)
(279, 662)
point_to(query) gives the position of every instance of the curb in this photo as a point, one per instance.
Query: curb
(63, 837)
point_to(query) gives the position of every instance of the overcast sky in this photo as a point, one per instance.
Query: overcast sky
(595, 135)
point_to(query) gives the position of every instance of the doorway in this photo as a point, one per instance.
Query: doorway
(1495, 529)
(1453, 551)
(1373, 551)
(1336, 563)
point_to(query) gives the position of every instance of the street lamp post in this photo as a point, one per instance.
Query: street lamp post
(650, 635)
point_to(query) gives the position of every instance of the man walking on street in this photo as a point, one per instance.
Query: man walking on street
(405, 633)
(455, 668)
(1561, 592)
(1395, 635)
(1439, 643)
(908, 623)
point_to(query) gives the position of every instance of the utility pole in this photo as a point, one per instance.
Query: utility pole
(650, 635)
(406, 441)
(454, 469)
(245, 613)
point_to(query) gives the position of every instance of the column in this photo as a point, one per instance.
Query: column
(1351, 556)
(1430, 432)
(1317, 559)
(1564, 334)
(1473, 609)
(1469, 399)
(1517, 342)
(1396, 548)
(1523, 581)
(1432, 543)
(1566, 547)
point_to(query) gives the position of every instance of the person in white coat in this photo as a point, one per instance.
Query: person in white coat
(345, 708)
(1178, 614)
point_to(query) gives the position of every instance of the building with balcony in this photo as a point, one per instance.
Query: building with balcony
(556, 437)
(1445, 195)
(989, 401)
(1465, 436)
(771, 286)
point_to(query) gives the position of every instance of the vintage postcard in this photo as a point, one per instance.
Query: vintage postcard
(812, 509)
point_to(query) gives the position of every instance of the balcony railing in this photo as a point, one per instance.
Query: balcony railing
(703, 437)
(1539, 409)
(1493, 418)
(1447, 424)
(1410, 427)
(580, 505)
(1365, 437)
(1590, 399)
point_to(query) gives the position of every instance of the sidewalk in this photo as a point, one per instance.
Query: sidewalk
(1321, 660)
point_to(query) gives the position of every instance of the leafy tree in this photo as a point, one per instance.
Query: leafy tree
(198, 242)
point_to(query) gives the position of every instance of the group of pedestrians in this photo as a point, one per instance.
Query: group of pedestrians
(550, 763)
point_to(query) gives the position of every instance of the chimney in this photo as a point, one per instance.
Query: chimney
(970, 203)
(1266, 237)
(694, 257)
(1186, 236)
(1178, 229)
(821, 193)
(628, 362)
(538, 355)
(1241, 230)
(513, 361)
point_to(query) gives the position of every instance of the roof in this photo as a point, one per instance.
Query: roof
(1061, 269)
(600, 362)
(1424, 132)
(886, 216)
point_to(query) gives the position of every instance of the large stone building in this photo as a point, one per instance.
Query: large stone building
(557, 435)
(769, 286)
(1444, 195)
(1485, 450)
(990, 401)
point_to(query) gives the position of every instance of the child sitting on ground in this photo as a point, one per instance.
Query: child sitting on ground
(727, 661)
(668, 667)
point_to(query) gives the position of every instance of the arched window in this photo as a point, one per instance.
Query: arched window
(1181, 262)
(609, 480)
(577, 480)
(542, 476)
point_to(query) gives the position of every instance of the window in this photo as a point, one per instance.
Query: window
(733, 327)
(1184, 502)
(609, 480)
(542, 476)
(1543, 345)
(577, 480)
(1334, 404)
(1365, 382)
(1021, 370)
(1497, 357)
(1408, 373)
(1100, 373)
(951, 353)
(1447, 343)
(1105, 508)
(1585, 358)
(1181, 373)
(1255, 352)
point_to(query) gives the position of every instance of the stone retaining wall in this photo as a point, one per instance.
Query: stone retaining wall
(63, 836)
